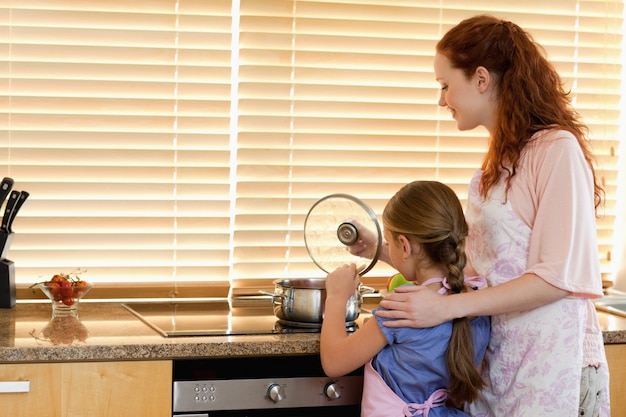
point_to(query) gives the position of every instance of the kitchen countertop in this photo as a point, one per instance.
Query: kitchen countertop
(107, 331)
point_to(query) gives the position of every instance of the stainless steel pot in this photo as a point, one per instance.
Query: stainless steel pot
(301, 301)
(329, 228)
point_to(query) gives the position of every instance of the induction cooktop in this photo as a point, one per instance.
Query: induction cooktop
(206, 317)
(220, 317)
(216, 317)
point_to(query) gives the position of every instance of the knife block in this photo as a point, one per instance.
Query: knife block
(7, 273)
(7, 284)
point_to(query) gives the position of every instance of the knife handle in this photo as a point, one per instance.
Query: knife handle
(6, 184)
(18, 204)
(5, 187)
(8, 210)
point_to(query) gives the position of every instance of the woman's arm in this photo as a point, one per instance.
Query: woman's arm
(341, 352)
(415, 307)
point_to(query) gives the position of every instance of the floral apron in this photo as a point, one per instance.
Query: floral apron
(534, 358)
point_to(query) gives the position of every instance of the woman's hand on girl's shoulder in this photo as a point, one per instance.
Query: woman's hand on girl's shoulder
(413, 306)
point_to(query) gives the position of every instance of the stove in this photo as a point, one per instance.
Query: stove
(217, 317)
(258, 386)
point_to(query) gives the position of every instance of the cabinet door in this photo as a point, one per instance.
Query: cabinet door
(94, 389)
(42, 397)
(616, 357)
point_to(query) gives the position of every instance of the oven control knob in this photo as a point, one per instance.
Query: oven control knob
(276, 392)
(331, 390)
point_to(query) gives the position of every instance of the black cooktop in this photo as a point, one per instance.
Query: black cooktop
(207, 317)
(220, 317)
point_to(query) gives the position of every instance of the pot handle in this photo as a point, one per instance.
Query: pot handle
(272, 294)
(364, 289)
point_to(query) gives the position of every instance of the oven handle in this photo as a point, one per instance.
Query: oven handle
(191, 415)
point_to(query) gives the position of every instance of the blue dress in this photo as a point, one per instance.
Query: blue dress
(413, 364)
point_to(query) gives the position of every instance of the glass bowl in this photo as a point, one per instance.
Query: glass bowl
(65, 299)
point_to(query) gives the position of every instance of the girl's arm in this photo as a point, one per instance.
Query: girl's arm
(341, 352)
(415, 307)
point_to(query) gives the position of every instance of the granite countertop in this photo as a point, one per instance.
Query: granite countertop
(107, 331)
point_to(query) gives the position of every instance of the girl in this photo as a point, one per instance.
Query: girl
(413, 371)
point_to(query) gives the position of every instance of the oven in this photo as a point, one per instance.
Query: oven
(293, 386)
(258, 386)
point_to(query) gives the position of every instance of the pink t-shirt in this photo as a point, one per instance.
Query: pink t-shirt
(560, 211)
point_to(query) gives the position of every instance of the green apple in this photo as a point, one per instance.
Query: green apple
(395, 281)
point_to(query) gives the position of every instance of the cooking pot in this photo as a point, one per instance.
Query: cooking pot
(301, 301)
(329, 229)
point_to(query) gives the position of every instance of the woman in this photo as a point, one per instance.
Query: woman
(532, 233)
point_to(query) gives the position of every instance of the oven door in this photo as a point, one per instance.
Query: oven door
(291, 386)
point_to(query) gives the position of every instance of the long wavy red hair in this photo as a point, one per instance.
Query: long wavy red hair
(530, 92)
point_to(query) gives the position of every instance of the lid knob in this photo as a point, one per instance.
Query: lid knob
(347, 234)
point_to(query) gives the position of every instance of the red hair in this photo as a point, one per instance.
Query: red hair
(530, 92)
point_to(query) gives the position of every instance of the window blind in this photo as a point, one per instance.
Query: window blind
(116, 119)
(177, 141)
(339, 96)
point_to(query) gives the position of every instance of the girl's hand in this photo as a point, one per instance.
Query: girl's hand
(367, 244)
(342, 282)
(414, 306)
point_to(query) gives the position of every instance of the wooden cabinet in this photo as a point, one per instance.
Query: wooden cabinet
(616, 357)
(144, 388)
(94, 389)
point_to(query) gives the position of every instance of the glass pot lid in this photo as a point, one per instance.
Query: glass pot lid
(331, 226)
